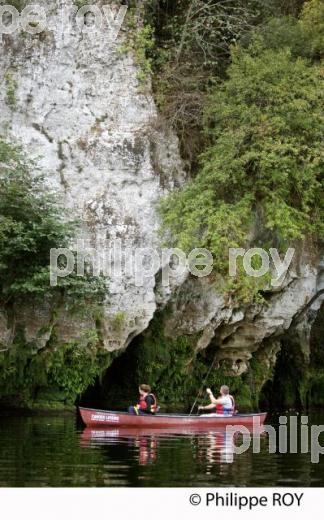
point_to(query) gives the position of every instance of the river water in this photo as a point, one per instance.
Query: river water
(60, 451)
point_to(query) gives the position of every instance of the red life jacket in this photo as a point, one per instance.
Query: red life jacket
(143, 404)
(221, 409)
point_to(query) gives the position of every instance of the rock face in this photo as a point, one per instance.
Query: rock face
(80, 108)
(76, 104)
(239, 333)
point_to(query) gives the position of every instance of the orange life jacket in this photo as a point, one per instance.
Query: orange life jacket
(221, 409)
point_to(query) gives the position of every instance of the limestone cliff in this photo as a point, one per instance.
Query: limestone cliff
(81, 108)
(82, 111)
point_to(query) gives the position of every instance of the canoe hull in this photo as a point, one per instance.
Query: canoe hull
(108, 419)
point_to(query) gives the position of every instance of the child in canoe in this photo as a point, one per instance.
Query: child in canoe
(147, 402)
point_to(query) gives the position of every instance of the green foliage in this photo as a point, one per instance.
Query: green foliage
(140, 43)
(281, 7)
(163, 362)
(260, 173)
(118, 321)
(194, 38)
(32, 222)
(303, 36)
(73, 368)
(317, 340)
(166, 364)
(312, 23)
(81, 3)
(175, 371)
(143, 45)
(18, 4)
(11, 86)
(283, 32)
(298, 380)
(61, 371)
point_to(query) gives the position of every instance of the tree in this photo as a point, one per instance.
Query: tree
(312, 23)
(32, 222)
(194, 38)
(259, 181)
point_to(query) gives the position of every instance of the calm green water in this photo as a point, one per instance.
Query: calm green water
(59, 451)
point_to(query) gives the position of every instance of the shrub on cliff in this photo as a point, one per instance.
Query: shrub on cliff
(32, 222)
(259, 181)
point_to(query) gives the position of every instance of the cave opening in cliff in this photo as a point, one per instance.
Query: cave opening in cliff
(117, 387)
(175, 372)
(170, 365)
(298, 380)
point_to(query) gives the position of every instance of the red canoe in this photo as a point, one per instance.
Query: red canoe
(107, 419)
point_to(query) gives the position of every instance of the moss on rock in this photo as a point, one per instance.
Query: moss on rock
(50, 378)
(175, 370)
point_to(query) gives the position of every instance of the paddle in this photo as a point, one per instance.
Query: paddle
(203, 385)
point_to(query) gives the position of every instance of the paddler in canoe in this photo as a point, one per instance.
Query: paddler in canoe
(222, 406)
(147, 402)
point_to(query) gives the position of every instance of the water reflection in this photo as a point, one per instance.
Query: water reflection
(211, 447)
(58, 451)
